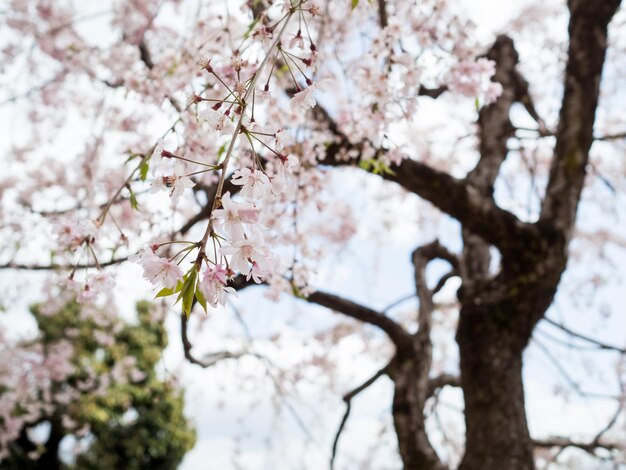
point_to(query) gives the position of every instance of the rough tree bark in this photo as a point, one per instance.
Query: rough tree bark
(498, 314)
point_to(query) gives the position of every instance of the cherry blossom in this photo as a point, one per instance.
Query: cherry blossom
(255, 184)
(173, 183)
(245, 252)
(217, 121)
(159, 271)
(214, 285)
(305, 99)
(73, 233)
(234, 214)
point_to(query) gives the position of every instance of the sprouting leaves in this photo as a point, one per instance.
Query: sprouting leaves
(143, 170)
(188, 290)
(376, 166)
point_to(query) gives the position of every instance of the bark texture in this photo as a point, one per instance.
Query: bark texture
(498, 313)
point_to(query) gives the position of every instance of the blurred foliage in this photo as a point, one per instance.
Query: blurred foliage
(129, 417)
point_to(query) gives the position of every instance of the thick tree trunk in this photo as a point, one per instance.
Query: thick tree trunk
(408, 417)
(497, 434)
(50, 458)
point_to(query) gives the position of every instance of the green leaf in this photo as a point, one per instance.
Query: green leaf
(477, 104)
(355, 3)
(168, 291)
(143, 170)
(221, 151)
(164, 292)
(133, 201)
(188, 290)
(246, 35)
(366, 164)
(131, 157)
(201, 299)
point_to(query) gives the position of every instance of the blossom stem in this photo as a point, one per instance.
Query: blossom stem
(220, 184)
(212, 167)
(265, 145)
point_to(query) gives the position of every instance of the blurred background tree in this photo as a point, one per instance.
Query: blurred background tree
(101, 395)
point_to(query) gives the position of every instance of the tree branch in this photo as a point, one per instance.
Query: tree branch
(564, 442)
(396, 332)
(54, 267)
(587, 49)
(210, 359)
(441, 381)
(347, 398)
(382, 13)
(595, 342)
(453, 196)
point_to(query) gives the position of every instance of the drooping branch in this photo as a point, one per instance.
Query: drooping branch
(593, 341)
(396, 332)
(61, 267)
(210, 359)
(347, 398)
(587, 49)
(443, 380)
(562, 442)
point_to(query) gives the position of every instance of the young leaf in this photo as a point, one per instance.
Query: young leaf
(164, 292)
(168, 291)
(143, 170)
(188, 291)
(221, 150)
(201, 299)
(133, 201)
(355, 3)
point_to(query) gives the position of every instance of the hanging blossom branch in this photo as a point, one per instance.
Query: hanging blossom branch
(232, 241)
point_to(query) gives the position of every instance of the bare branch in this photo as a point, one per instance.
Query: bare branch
(61, 267)
(441, 381)
(597, 343)
(396, 332)
(347, 398)
(382, 13)
(444, 279)
(433, 93)
(618, 136)
(210, 359)
(587, 49)
(589, 447)
(568, 378)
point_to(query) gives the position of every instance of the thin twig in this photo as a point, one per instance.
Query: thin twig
(347, 398)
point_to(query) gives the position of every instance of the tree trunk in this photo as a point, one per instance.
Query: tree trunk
(497, 434)
(50, 458)
(409, 397)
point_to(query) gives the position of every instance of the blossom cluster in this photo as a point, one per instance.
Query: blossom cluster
(243, 147)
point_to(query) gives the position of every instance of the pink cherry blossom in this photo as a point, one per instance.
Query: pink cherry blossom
(305, 99)
(245, 252)
(159, 271)
(173, 183)
(234, 214)
(214, 285)
(255, 184)
(71, 234)
(217, 121)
